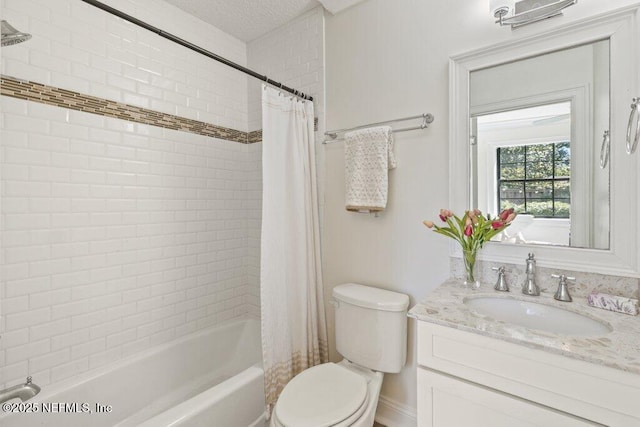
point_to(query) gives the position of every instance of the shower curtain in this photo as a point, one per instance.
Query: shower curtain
(294, 335)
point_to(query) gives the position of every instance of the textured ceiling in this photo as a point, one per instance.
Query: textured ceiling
(335, 6)
(245, 19)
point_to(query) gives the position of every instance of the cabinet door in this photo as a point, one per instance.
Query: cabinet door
(445, 401)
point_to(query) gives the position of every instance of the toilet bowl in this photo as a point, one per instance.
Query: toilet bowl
(371, 334)
(336, 395)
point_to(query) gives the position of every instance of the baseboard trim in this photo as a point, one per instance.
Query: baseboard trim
(394, 414)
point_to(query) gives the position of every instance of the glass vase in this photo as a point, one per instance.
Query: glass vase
(469, 258)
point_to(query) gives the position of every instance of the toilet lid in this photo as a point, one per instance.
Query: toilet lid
(321, 396)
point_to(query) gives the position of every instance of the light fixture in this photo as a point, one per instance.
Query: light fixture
(12, 36)
(523, 12)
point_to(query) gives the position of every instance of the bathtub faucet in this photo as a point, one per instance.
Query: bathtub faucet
(23, 392)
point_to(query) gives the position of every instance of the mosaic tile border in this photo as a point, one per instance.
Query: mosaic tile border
(50, 95)
(254, 136)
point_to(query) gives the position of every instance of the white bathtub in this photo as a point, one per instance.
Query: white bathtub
(211, 378)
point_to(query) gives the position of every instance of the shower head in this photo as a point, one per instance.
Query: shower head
(12, 36)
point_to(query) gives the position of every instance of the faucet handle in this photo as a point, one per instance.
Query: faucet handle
(562, 294)
(563, 277)
(501, 284)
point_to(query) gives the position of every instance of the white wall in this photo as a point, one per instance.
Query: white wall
(388, 59)
(117, 236)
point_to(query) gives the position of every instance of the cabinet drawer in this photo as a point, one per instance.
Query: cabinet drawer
(587, 390)
(444, 401)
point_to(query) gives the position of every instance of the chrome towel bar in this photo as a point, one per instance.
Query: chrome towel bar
(427, 118)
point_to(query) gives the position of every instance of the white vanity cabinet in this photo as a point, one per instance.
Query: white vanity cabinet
(466, 379)
(448, 401)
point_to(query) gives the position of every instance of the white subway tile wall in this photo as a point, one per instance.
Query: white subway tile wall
(78, 47)
(253, 211)
(114, 241)
(117, 236)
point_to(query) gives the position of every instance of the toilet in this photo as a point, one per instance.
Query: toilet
(371, 335)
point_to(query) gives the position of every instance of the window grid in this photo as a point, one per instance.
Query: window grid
(526, 164)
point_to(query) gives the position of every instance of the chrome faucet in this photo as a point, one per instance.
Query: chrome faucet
(23, 392)
(530, 287)
(562, 294)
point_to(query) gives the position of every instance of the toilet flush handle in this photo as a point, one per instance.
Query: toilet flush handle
(334, 303)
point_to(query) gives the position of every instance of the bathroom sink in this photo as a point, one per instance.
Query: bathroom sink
(533, 315)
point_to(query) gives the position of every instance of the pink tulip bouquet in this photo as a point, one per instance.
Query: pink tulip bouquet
(472, 231)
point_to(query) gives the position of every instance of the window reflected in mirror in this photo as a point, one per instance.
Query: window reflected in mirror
(525, 157)
(534, 179)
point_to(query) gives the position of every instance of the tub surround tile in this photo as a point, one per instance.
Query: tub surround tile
(50, 95)
(254, 136)
(620, 349)
(113, 238)
(108, 153)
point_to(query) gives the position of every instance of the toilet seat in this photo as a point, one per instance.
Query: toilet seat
(323, 396)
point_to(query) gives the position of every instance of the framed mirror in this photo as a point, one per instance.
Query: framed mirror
(527, 130)
(537, 133)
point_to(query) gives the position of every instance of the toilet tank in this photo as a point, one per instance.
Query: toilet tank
(371, 326)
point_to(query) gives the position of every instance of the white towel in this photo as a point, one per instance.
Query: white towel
(368, 158)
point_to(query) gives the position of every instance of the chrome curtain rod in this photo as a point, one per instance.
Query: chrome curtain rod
(427, 118)
(195, 48)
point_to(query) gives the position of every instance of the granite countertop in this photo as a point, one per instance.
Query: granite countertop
(619, 349)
